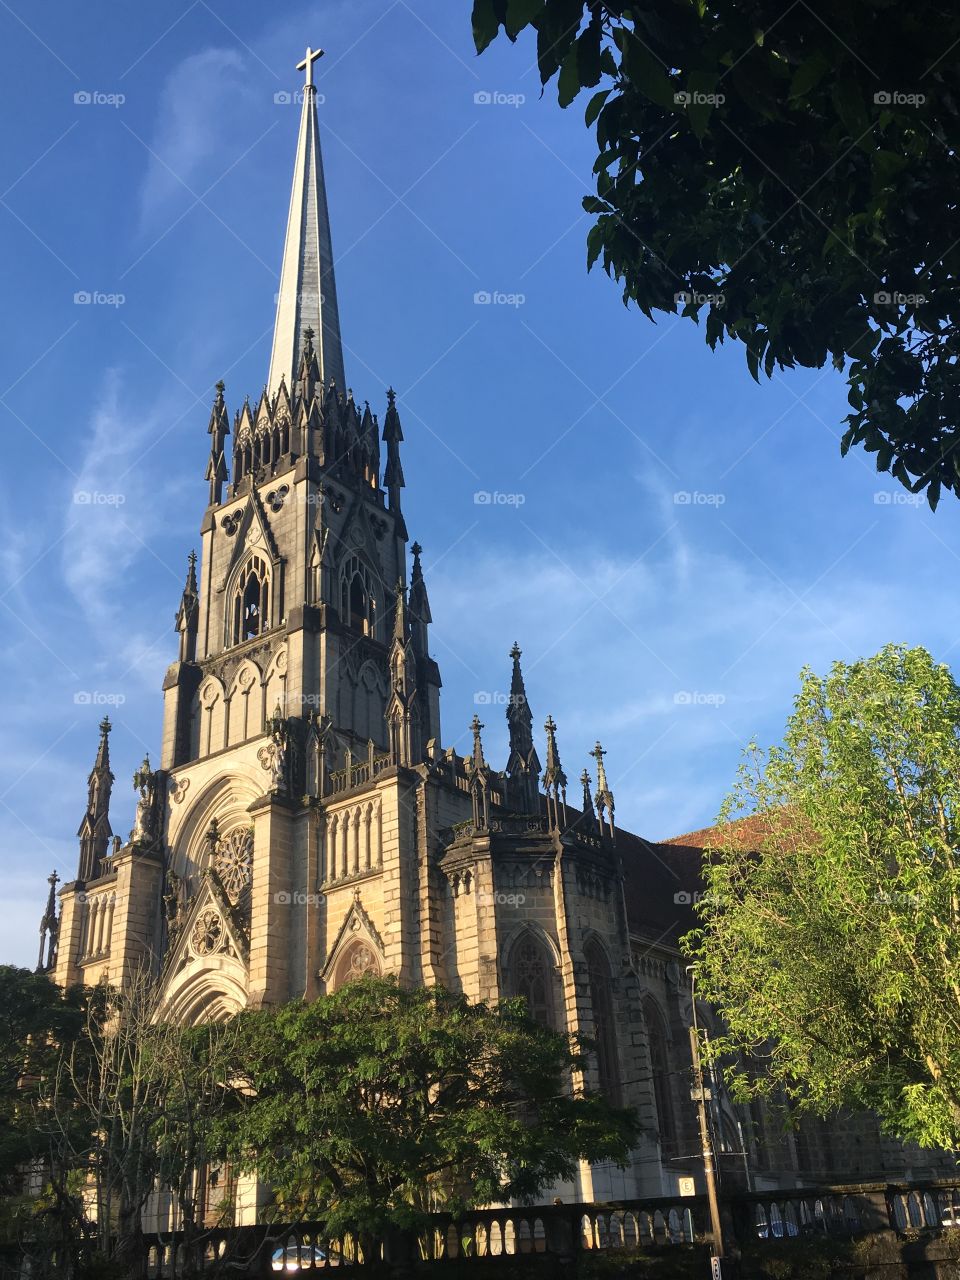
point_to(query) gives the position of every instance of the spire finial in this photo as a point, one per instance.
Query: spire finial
(307, 66)
(476, 727)
(307, 294)
(604, 795)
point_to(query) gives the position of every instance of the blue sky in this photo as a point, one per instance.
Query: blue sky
(673, 630)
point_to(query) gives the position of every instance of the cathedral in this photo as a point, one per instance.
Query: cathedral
(304, 823)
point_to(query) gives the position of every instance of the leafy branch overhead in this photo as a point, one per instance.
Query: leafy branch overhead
(791, 174)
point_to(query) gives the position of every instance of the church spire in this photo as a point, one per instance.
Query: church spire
(393, 472)
(604, 796)
(49, 927)
(554, 780)
(94, 831)
(218, 430)
(419, 604)
(188, 613)
(308, 294)
(523, 766)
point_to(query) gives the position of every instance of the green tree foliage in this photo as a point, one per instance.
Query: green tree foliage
(790, 170)
(38, 1021)
(374, 1104)
(830, 927)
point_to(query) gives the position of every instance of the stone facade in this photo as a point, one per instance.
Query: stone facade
(305, 824)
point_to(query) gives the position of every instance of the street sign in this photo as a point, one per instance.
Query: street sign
(687, 1186)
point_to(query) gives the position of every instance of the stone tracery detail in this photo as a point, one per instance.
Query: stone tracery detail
(209, 935)
(233, 862)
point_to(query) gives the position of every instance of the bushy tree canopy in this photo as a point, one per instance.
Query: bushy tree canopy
(370, 1105)
(830, 937)
(790, 171)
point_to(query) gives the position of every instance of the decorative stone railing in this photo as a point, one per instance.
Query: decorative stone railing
(561, 1232)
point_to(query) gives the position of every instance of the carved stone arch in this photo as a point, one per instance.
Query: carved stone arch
(275, 686)
(530, 968)
(248, 597)
(208, 718)
(206, 991)
(245, 705)
(226, 799)
(369, 703)
(358, 959)
(360, 594)
(357, 949)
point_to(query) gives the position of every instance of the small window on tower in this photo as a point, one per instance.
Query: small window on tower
(358, 607)
(251, 603)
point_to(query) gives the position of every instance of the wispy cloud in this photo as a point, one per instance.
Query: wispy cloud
(113, 512)
(196, 132)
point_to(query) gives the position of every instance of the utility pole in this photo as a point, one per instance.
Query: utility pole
(699, 1095)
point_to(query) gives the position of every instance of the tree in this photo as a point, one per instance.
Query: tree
(38, 1021)
(793, 172)
(372, 1105)
(830, 925)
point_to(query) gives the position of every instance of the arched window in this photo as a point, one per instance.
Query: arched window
(604, 1023)
(531, 975)
(357, 961)
(660, 1066)
(251, 601)
(358, 605)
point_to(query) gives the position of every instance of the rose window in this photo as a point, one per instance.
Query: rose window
(208, 933)
(233, 862)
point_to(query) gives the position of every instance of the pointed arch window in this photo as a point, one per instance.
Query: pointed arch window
(251, 601)
(604, 1024)
(531, 975)
(660, 1067)
(358, 603)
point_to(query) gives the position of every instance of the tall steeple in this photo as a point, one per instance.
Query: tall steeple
(94, 831)
(523, 766)
(308, 293)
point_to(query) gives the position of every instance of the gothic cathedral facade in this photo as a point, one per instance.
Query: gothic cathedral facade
(305, 823)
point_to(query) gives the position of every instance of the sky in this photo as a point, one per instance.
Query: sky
(669, 542)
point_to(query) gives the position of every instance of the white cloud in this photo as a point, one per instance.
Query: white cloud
(113, 511)
(197, 123)
(682, 659)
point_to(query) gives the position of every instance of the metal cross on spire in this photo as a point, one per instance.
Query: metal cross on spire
(307, 65)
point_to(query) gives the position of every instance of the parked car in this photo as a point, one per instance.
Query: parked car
(290, 1258)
